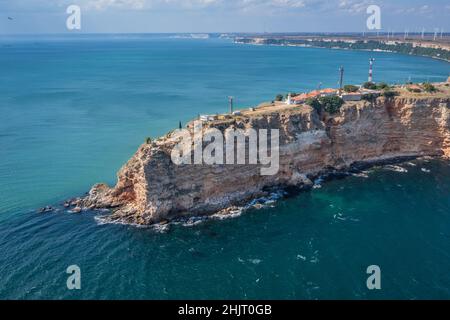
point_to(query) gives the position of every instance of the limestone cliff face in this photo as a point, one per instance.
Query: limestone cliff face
(151, 188)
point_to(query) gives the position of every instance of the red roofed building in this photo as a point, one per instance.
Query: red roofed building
(328, 92)
(301, 98)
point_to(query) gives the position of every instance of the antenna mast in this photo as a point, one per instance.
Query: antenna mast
(231, 104)
(371, 61)
(341, 78)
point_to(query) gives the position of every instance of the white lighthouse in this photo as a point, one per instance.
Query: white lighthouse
(289, 99)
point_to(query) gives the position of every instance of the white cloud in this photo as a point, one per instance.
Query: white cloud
(192, 4)
(352, 6)
(103, 4)
(148, 4)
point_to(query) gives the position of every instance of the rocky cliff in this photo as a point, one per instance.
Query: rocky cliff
(151, 188)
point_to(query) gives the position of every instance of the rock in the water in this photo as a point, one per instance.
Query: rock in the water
(46, 209)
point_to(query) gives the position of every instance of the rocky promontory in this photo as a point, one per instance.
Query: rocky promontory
(151, 188)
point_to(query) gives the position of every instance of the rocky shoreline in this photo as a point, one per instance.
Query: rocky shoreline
(152, 190)
(275, 194)
(272, 196)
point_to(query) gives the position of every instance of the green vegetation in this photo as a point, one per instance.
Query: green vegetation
(374, 86)
(279, 97)
(390, 93)
(148, 140)
(428, 87)
(415, 90)
(315, 104)
(350, 88)
(293, 94)
(370, 97)
(383, 86)
(369, 85)
(331, 104)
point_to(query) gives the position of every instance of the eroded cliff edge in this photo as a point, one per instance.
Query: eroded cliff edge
(151, 188)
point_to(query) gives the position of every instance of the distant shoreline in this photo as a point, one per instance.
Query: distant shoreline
(432, 50)
(346, 49)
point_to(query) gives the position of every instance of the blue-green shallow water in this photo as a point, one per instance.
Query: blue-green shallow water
(74, 110)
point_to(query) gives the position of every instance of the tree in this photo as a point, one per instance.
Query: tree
(279, 97)
(370, 97)
(428, 87)
(350, 88)
(383, 86)
(315, 104)
(331, 104)
(370, 85)
(148, 140)
(390, 93)
(415, 90)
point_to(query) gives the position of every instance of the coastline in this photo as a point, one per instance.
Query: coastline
(256, 42)
(272, 196)
(152, 190)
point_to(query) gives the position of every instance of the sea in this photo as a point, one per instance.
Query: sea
(74, 109)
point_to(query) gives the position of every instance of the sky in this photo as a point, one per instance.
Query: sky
(173, 16)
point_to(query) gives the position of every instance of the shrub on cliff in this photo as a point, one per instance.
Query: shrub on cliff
(371, 97)
(428, 87)
(148, 140)
(331, 104)
(383, 86)
(315, 104)
(279, 97)
(374, 86)
(415, 90)
(369, 85)
(350, 88)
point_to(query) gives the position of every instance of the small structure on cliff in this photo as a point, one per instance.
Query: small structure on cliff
(289, 100)
(207, 117)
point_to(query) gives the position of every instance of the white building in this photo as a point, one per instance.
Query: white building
(289, 100)
(207, 118)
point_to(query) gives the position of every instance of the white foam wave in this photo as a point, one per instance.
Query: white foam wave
(396, 168)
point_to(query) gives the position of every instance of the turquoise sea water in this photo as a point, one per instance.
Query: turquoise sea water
(73, 110)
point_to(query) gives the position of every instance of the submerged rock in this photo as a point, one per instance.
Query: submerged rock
(46, 209)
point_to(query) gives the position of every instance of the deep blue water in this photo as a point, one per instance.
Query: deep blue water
(73, 110)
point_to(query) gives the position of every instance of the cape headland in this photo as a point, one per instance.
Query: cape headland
(404, 124)
(414, 44)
